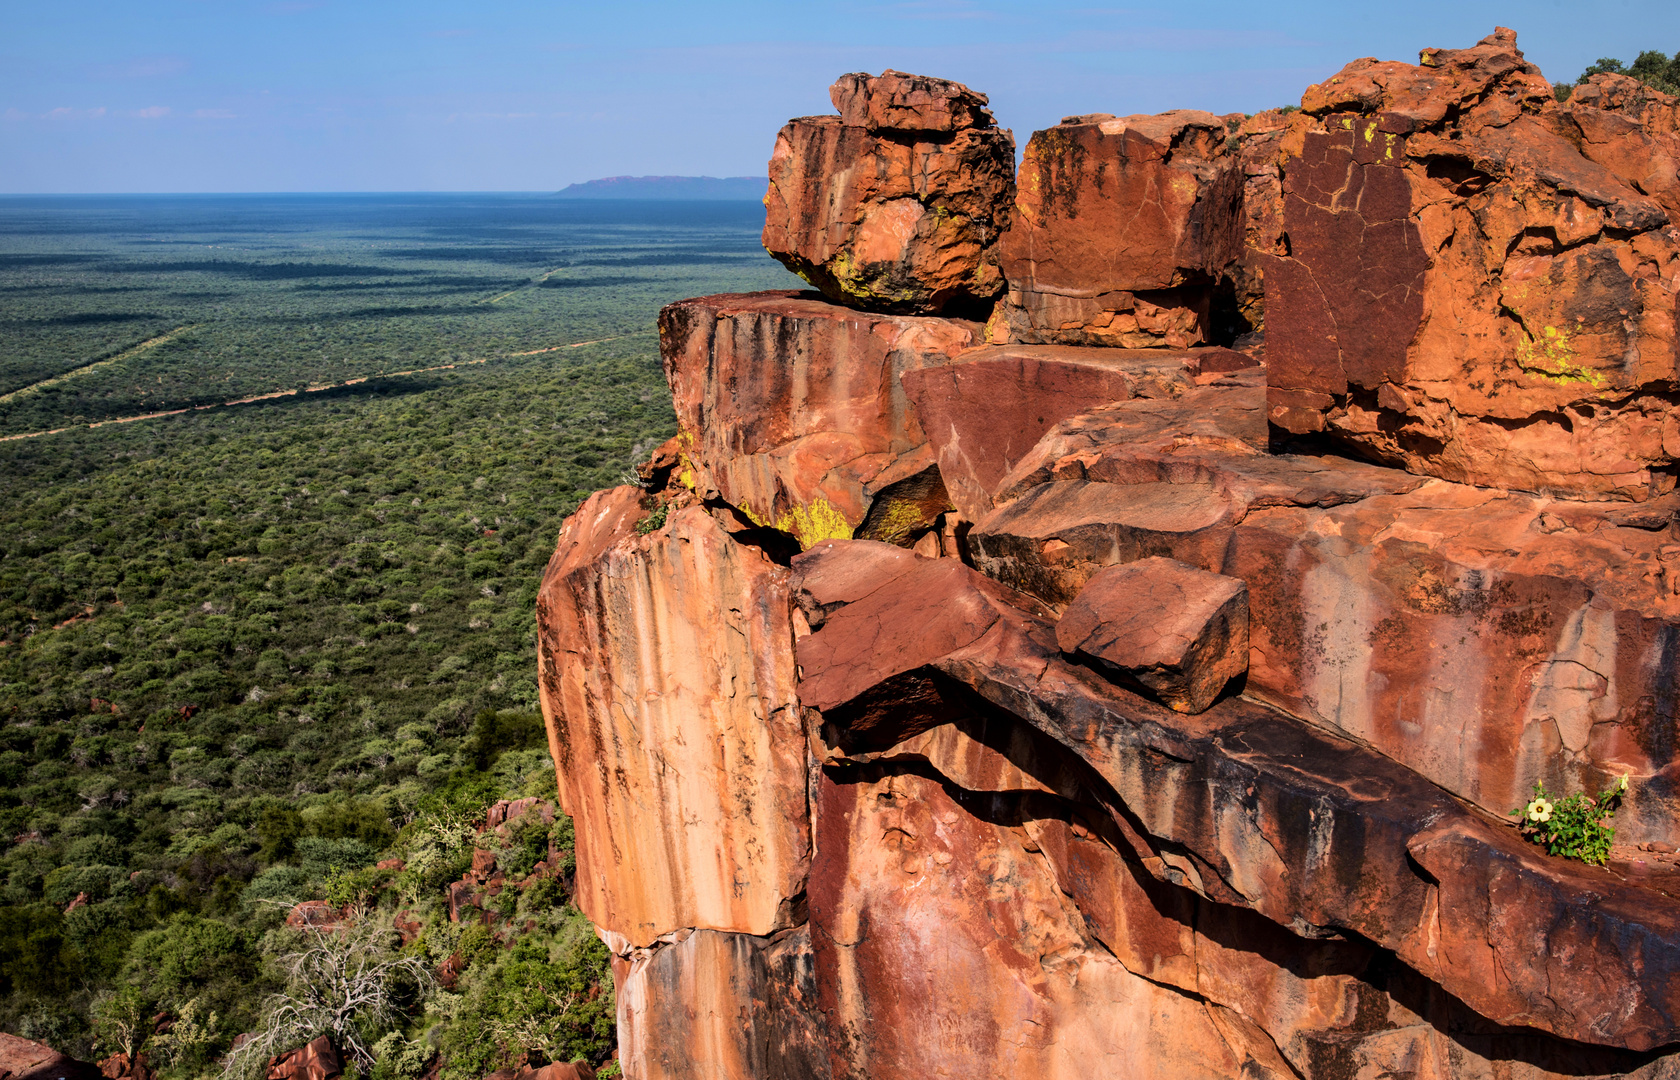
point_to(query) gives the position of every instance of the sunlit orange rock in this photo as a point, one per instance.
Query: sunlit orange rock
(1467, 292)
(667, 684)
(791, 410)
(1121, 227)
(897, 203)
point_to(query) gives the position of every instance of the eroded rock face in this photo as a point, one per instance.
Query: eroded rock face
(1630, 129)
(1486, 641)
(897, 204)
(720, 1005)
(1246, 807)
(844, 810)
(1121, 226)
(668, 689)
(792, 411)
(1467, 292)
(931, 919)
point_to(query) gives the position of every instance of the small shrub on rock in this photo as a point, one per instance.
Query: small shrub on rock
(1576, 826)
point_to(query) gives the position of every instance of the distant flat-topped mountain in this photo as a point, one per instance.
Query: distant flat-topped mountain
(669, 187)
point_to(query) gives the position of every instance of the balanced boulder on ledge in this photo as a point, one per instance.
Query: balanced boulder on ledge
(897, 204)
(1122, 226)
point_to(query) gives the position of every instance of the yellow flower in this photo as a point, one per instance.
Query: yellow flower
(1623, 783)
(1539, 810)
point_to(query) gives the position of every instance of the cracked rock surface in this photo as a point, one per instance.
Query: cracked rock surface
(1055, 694)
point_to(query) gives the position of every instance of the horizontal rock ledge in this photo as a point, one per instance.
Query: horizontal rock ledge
(1249, 807)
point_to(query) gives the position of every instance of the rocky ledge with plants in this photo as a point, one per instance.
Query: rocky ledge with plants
(1105, 628)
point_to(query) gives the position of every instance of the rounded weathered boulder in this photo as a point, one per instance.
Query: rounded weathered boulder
(897, 204)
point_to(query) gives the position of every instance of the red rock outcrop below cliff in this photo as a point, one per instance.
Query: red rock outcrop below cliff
(1059, 697)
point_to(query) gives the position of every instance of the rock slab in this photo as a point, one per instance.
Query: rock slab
(1172, 628)
(791, 410)
(668, 691)
(1121, 226)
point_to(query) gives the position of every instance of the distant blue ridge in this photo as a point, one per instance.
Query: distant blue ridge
(669, 187)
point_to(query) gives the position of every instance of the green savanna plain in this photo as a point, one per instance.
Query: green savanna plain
(248, 649)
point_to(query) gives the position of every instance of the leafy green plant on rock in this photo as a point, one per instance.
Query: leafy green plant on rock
(1576, 826)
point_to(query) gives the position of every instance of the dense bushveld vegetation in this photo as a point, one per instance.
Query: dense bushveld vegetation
(1655, 69)
(249, 651)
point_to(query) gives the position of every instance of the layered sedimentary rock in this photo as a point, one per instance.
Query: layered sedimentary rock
(898, 203)
(791, 410)
(1121, 227)
(1193, 753)
(987, 409)
(1467, 293)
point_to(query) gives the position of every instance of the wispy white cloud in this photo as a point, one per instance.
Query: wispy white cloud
(151, 112)
(63, 112)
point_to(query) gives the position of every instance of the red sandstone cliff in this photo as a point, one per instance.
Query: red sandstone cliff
(1072, 695)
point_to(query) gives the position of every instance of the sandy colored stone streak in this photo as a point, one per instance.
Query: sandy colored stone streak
(668, 689)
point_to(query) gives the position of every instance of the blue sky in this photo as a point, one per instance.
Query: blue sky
(445, 95)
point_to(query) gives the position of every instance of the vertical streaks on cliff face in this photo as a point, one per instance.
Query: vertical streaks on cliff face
(944, 947)
(668, 689)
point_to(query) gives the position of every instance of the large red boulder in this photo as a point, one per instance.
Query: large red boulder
(1466, 293)
(318, 1060)
(1172, 628)
(791, 410)
(1121, 226)
(897, 203)
(24, 1059)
